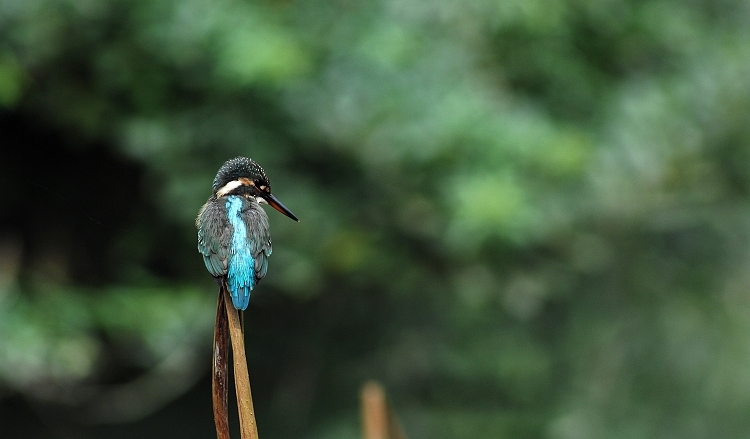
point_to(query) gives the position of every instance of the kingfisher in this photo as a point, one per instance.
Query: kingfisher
(233, 234)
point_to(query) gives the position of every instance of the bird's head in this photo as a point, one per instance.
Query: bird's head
(242, 176)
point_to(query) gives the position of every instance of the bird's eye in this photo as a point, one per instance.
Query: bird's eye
(262, 186)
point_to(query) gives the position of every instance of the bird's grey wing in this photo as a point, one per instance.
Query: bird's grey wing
(214, 234)
(259, 237)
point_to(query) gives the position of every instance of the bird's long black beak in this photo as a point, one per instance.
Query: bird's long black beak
(276, 204)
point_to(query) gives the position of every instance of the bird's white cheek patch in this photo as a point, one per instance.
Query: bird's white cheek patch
(227, 188)
(261, 200)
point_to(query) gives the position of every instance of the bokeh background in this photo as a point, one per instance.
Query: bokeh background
(526, 218)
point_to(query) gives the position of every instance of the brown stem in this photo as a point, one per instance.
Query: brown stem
(378, 420)
(220, 371)
(248, 427)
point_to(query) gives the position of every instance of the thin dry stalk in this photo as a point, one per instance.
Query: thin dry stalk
(378, 419)
(248, 427)
(220, 371)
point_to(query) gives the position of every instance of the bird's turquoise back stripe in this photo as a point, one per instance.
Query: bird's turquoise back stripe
(241, 270)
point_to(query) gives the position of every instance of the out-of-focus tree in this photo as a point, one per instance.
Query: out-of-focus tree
(527, 218)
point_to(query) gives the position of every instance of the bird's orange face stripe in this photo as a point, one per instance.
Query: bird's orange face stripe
(248, 182)
(242, 181)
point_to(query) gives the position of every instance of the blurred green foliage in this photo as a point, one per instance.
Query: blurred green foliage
(527, 218)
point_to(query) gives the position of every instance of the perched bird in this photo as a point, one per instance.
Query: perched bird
(233, 234)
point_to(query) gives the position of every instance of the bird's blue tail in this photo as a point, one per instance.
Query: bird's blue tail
(240, 298)
(241, 280)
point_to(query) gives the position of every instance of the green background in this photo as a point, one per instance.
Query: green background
(526, 218)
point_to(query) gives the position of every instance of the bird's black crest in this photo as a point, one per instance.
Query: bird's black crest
(236, 168)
